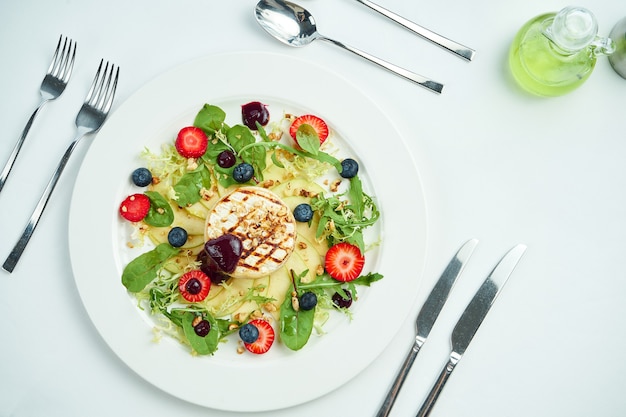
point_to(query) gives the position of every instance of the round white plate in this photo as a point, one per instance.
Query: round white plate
(227, 380)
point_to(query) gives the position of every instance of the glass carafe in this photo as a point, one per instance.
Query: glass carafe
(554, 53)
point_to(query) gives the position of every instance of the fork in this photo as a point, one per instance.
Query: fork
(89, 119)
(52, 86)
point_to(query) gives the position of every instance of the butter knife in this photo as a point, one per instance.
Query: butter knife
(471, 319)
(456, 48)
(426, 318)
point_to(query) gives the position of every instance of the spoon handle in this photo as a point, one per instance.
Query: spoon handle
(448, 44)
(411, 76)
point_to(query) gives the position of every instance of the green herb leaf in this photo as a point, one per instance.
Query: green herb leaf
(307, 139)
(295, 326)
(189, 186)
(160, 213)
(202, 345)
(240, 137)
(367, 279)
(210, 118)
(144, 269)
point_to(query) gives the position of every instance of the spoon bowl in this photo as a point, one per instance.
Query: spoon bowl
(293, 25)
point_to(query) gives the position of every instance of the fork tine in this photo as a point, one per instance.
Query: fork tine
(55, 56)
(104, 93)
(98, 91)
(94, 83)
(59, 61)
(68, 62)
(111, 93)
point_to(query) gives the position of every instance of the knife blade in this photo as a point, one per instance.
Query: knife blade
(427, 316)
(471, 319)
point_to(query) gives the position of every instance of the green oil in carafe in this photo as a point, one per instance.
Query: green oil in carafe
(555, 53)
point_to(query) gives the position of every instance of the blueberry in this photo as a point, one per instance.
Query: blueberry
(243, 172)
(248, 333)
(308, 301)
(177, 237)
(142, 177)
(349, 168)
(303, 212)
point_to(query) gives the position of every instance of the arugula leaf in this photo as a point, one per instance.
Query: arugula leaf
(307, 139)
(344, 219)
(210, 118)
(295, 326)
(188, 187)
(144, 269)
(160, 213)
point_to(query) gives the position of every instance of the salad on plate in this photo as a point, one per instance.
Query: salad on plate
(252, 232)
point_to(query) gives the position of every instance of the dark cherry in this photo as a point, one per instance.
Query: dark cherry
(225, 251)
(193, 286)
(203, 328)
(226, 159)
(342, 302)
(253, 112)
(209, 267)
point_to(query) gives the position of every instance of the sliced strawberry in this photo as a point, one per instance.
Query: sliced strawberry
(135, 207)
(191, 142)
(194, 286)
(265, 339)
(344, 262)
(319, 125)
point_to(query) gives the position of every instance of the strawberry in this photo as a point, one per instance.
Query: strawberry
(344, 262)
(135, 207)
(194, 286)
(266, 337)
(320, 126)
(191, 142)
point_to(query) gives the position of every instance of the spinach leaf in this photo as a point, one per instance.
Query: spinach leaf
(144, 269)
(210, 118)
(188, 187)
(295, 326)
(160, 213)
(240, 137)
(202, 345)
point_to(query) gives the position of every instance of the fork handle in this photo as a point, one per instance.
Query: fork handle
(385, 408)
(18, 146)
(16, 253)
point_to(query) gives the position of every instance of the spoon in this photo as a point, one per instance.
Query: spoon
(439, 40)
(295, 26)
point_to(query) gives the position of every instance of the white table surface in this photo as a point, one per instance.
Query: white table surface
(496, 164)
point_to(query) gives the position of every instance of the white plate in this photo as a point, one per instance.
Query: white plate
(280, 378)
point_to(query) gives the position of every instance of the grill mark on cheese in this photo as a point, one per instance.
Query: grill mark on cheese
(264, 224)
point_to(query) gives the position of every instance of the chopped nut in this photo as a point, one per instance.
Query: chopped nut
(302, 245)
(232, 326)
(196, 321)
(334, 186)
(192, 165)
(295, 303)
(270, 307)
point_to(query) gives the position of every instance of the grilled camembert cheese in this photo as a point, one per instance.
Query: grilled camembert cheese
(263, 223)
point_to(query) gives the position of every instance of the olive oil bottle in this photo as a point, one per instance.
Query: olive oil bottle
(554, 53)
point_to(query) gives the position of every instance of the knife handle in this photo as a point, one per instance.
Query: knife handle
(436, 389)
(385, 408)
